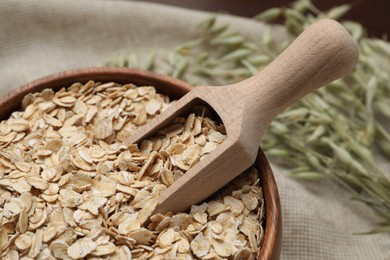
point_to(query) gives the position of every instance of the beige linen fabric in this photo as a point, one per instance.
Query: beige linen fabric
(38, 38)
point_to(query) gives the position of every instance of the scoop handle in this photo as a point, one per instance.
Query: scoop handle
(322, 53)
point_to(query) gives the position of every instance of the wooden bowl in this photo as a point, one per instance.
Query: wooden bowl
(174, 89)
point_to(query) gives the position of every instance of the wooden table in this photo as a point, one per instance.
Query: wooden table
(373, 14)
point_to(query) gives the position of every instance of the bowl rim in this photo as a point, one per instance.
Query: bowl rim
(67, 77)
(11, 102)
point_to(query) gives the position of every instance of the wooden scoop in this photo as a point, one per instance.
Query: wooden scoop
(322, 53)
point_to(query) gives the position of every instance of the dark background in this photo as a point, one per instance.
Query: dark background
(373, 14)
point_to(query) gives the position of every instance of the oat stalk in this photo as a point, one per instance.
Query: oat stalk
(332, 139)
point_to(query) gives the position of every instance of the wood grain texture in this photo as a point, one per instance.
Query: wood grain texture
(175, 89)
(321, 54)
(272, 245)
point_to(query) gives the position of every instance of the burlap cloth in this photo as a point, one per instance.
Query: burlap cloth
(38, 38)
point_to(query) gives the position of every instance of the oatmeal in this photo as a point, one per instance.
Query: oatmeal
(69, 189)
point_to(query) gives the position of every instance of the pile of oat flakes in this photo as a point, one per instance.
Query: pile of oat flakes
(70, 190)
